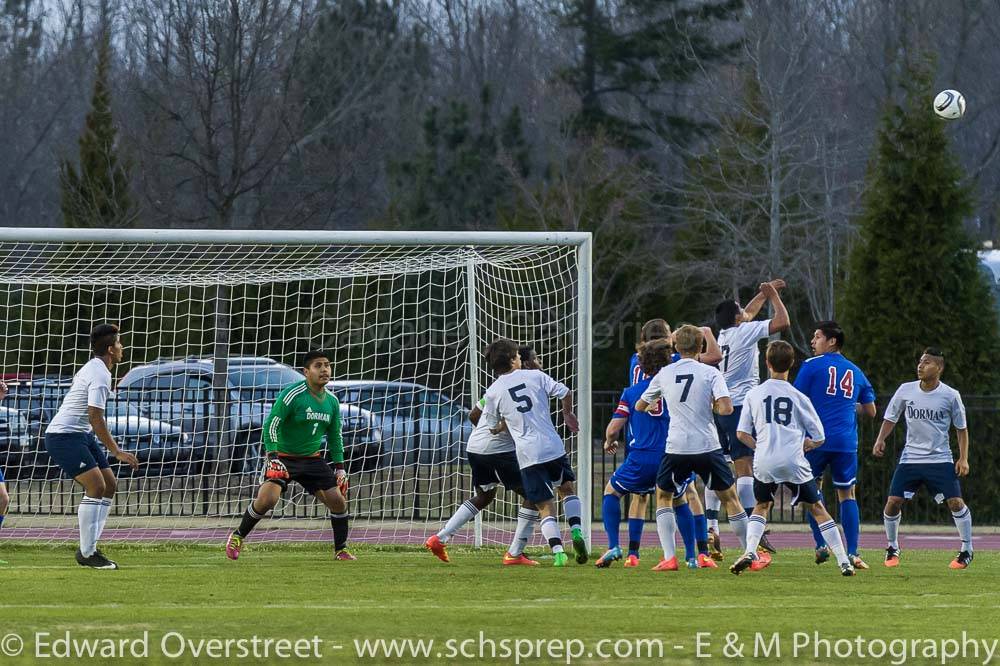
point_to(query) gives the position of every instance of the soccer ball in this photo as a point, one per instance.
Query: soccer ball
(949, 104)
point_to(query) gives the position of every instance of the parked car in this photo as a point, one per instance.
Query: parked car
(418, 424)
(162, 449)
(180, 393)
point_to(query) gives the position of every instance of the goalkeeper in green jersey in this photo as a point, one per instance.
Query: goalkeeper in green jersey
(302, 415)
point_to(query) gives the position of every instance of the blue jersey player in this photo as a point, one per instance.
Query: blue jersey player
(836, 387)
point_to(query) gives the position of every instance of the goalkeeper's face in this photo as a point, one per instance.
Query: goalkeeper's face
(318, 372)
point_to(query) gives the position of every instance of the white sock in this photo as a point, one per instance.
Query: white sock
(102, 519)
(739, 525)
(527, 519)
(573, 508)
(755, 530)
(462, 515)
(832, 537)
(88, 515)
(666, 529)
(963, 521)
(744, 488)
(892, 528)
(712, 503)
(550, 530)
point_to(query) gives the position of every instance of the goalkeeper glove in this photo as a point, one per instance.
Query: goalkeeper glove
(341, 475)
(275, 468)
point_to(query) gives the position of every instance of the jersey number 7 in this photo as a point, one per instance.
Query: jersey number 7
(846, 382)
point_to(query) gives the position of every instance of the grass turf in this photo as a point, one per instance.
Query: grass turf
(297, 592)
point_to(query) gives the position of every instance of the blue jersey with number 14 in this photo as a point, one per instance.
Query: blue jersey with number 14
(835, 386)
(635, 373)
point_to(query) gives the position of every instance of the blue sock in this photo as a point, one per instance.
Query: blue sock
(817, 535)
(685, 523)
(1, 521)
(701, 533)
(850, 520)
(612, 510)
(635, 526)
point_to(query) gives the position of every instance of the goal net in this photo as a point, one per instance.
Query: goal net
(214, 324)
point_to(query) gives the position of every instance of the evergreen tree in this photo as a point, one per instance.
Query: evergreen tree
(463, 173)
(634, 56)
(97, 195)
(914, 276)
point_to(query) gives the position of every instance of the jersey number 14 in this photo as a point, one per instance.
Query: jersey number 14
(846, 382)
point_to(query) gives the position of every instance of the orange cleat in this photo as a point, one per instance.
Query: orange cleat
(514, 560)
(344, 556)
(891, 557)
(631, 562)
(961, 561)
(667, 565)
(440, 550)
(706, 562)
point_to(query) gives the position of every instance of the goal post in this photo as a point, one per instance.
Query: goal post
(215, 321)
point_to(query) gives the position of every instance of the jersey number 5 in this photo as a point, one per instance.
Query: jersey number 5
(846, 382)
(525, 401)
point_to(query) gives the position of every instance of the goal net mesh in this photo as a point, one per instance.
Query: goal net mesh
(212, 332)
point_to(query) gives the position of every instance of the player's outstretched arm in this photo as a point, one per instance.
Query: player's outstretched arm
(780, 320)
(879, 449)
(100, 426)
(962, 464)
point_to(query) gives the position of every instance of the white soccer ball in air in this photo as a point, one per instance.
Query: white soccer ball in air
(949, 104)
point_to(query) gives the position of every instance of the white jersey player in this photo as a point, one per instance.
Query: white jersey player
(931, 408)
(521, 398)
(692, 392)
(780, 424)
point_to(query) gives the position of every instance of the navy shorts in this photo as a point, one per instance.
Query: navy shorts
(539, 480)
(75, 452)
(801, 492)
(313, 473)
(843, 465)
(637, 473)
(676, 469)
(939, 478)
(488, 469)
(731, 445)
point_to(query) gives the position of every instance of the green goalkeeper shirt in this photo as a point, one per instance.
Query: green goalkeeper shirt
(299, 420)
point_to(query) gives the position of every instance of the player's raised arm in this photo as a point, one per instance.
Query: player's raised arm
(713, 353)
(752, 308)
(780, 321)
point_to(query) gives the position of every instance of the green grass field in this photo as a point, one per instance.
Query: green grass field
(298, 592)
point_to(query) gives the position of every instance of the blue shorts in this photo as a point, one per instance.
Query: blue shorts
(75, 452)
(843, 466)
(802, 492)
(939, 478)
(731, 445)
(637, 473)
(539, 480)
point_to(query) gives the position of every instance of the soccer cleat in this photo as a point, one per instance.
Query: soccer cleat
(631, 562)
(765, 545)
(706, 562)
(891, 557)
(822, 555)
(440, 550)
(344, 556)
(746, 561)
(961, 561)
(715, 546)
(560, 559)
(95, 561)
(667, 565)
(518, 560)
(580, 546)
(233, 545)
(605, 560)
(846, 569)
(692, 563)
(857, 562)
